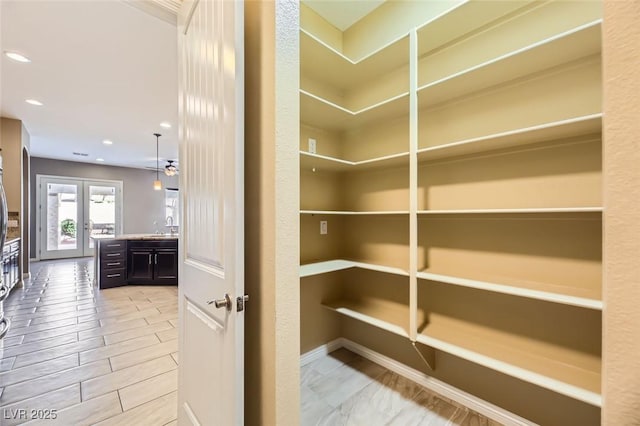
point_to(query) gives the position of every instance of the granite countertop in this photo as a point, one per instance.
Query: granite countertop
(147, 237)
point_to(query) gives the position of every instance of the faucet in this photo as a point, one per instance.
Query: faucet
(172, 229)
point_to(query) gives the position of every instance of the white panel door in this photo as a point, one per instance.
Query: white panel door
(74, 212)
(61, 218)
(211, 338)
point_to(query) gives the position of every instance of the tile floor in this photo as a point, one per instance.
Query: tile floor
(110, 358)
(95, 357)
(345, 389)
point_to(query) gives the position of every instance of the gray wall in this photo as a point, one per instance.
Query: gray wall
(142, 205)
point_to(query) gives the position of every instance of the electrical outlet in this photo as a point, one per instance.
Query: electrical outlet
(323, 227)
(312, 146)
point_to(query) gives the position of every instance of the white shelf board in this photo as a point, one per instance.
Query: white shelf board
(324, 267)
(572, 45)
(317, 162)
(319, 112)
(531, 293)
(354, 213)
(321, 62)
(379, 313)
(572, 127)
(465, 17)
(541, 210)
(559, 386)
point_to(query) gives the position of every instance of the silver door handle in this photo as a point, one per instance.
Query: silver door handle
(221, 303)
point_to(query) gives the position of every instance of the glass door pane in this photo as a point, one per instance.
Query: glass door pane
(62, 234)
(102, 212)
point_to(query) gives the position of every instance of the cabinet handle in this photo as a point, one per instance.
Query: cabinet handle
(113, 254)
(113, 275)
(113, 264)
(113, 245)
(149, 258)
(156, 261)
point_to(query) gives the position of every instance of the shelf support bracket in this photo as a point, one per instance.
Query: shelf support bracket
(429, 358)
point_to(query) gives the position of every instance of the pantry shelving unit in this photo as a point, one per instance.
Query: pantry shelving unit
(458, 165)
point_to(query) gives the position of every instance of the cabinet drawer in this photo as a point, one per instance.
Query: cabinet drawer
(14, 247)
(115, 245)
(112, 256)
(116, 263)
(112, 278)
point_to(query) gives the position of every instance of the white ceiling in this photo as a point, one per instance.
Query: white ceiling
(343, 14)
(103, 69)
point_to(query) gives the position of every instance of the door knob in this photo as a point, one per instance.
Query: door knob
(221, 303)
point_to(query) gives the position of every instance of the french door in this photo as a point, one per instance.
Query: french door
(75, 212)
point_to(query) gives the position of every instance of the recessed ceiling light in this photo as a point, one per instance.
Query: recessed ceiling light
(165, 125)
(100, 159)
(34, 102)
(107, 142)
(17, 57)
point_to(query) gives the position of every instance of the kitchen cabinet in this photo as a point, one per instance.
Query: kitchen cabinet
(152, 262)
(11, 263)
(136, 259)
(111, 263)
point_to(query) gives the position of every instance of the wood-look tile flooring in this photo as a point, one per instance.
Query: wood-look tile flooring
(345, 389)
(104, 357)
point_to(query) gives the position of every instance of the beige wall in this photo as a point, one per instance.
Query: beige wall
(621, 361)
(14, 139)
(11, 144)
(272, 339)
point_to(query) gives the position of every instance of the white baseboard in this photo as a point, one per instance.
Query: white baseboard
(320, 351)
(461, 397)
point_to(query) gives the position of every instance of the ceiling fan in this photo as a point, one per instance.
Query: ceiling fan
(170, 169)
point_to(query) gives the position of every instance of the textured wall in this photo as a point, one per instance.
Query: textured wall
(621, 62)
(141, 204)
(272, 340)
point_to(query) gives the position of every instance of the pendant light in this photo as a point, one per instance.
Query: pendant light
(157, 185)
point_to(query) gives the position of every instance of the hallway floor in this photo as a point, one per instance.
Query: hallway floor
(107, 357)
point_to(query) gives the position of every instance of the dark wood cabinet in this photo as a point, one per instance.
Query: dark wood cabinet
(153, 262)
(136, 261)
(166, 265)
(111, 263)
(11, 263)
(140, 262)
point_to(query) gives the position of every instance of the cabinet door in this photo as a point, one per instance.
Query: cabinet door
(140, 264)
(6, 271)
(166, 266)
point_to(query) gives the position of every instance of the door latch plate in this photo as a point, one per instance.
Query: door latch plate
(241, 301)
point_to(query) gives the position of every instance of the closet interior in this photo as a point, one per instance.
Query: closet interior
(450, 196)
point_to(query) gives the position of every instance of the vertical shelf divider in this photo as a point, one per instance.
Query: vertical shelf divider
(413, 184)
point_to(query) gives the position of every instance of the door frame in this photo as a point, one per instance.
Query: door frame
(38, 229)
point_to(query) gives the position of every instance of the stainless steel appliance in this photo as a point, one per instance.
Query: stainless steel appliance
(4, 289)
